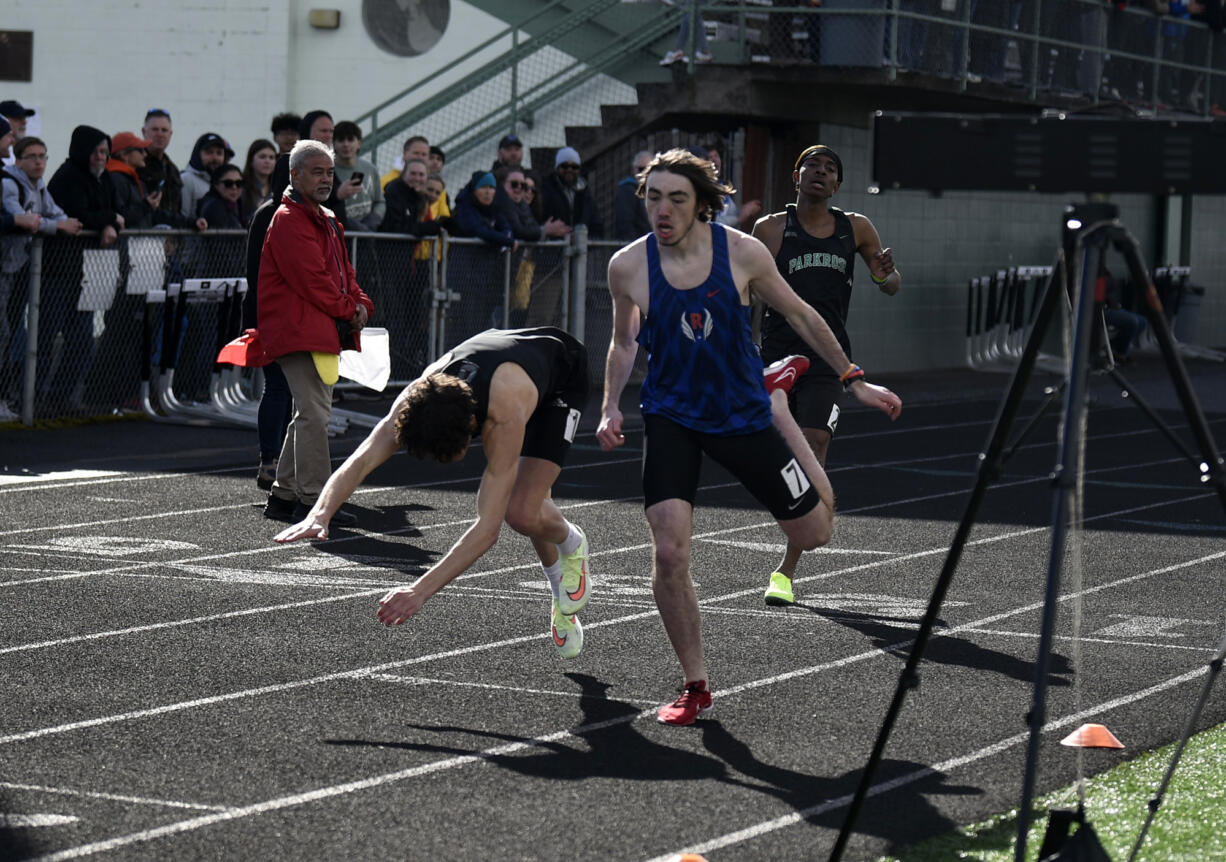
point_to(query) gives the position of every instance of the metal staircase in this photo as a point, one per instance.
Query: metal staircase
(546, 62)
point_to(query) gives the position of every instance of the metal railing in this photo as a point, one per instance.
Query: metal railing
(137, 327)
(1073, 47)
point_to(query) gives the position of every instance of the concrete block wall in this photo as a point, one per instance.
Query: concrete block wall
(1208, 264)
(941, 242)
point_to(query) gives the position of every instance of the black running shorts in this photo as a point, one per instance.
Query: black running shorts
(761, 461)
(551, 428)
(814, 401)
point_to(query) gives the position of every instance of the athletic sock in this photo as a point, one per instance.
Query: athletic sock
(554, 574)
(572, 541)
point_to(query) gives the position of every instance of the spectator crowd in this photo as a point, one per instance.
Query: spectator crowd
(109, 183)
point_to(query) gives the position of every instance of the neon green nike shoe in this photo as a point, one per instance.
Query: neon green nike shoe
(567, 633)
(576, 585)
(779, 592)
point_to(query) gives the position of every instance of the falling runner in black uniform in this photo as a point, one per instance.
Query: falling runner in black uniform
(522, 391)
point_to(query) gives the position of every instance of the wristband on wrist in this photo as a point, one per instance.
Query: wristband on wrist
(851, 375)
(877, 280)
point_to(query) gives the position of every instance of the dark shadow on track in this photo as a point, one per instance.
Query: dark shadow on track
(14, 841)
(409, 559)
(885, 631)
(385, 519)
(615, 749)
(801, 791)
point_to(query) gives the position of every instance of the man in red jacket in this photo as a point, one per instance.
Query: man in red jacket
(308, 296)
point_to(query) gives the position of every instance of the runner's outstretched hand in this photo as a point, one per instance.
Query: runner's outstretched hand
(308, 528)
(877, 396)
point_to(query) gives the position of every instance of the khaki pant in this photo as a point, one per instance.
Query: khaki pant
(305, 462)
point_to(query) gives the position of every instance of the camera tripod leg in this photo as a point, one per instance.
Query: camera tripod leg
(1144, 407)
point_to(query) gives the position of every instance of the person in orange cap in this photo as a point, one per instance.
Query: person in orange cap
(140, 207)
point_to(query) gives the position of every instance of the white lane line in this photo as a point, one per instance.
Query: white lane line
(290, 686)
(775, 548)
(34, 821)
(33, 479)
(151, 627)
(1084, 639)
(737, 837)
(707, 603)
(111, 797)
(475, 648)
(943, 768)
(425, 680)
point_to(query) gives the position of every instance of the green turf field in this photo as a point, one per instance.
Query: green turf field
(1187, 827)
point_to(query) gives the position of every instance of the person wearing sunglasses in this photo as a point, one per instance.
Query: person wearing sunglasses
(222, 206)
(514, 206)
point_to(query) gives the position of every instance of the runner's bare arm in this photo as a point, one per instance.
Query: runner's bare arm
(752, 258)
(503, 438)
(379, 445)
(622, 350)
(880, 261)
(769, 229)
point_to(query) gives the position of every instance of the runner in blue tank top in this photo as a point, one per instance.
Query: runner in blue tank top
(683, 292)
(814, 246)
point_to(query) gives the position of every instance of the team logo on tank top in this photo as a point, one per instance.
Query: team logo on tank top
(697, 325)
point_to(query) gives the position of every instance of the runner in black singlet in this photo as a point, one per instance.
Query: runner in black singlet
(814, 245)
(522, 391)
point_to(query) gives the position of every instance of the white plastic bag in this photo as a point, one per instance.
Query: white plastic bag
(372, 367)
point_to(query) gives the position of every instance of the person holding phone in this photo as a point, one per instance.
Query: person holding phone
(357, 180)
(140, 204)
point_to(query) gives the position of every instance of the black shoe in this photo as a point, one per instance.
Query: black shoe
(281, 510)
(340, 518)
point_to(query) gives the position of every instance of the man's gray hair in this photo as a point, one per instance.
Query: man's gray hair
(308, 149)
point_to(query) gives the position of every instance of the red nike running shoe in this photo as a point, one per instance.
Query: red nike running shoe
(784, 373)
(695, 700)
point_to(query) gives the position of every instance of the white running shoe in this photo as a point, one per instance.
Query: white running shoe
(673, 57)
(567, 633)
(576, 586)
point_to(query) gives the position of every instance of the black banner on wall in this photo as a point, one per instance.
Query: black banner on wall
(1057, 153)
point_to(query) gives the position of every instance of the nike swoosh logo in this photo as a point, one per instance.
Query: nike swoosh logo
(791, 507)
(712, 293)
(843, 236)
(578, 594)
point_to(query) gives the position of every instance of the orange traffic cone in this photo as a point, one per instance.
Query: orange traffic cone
(1091, 736)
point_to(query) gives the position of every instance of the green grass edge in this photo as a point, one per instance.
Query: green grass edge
(1187, 827)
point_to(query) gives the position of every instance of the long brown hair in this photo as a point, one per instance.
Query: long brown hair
(709, 192)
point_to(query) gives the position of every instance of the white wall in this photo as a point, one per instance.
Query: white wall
(216, 65)
(225, 66)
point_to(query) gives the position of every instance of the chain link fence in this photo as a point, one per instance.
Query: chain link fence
(137, 326)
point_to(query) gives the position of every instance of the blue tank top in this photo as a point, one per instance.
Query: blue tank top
(703, 370)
